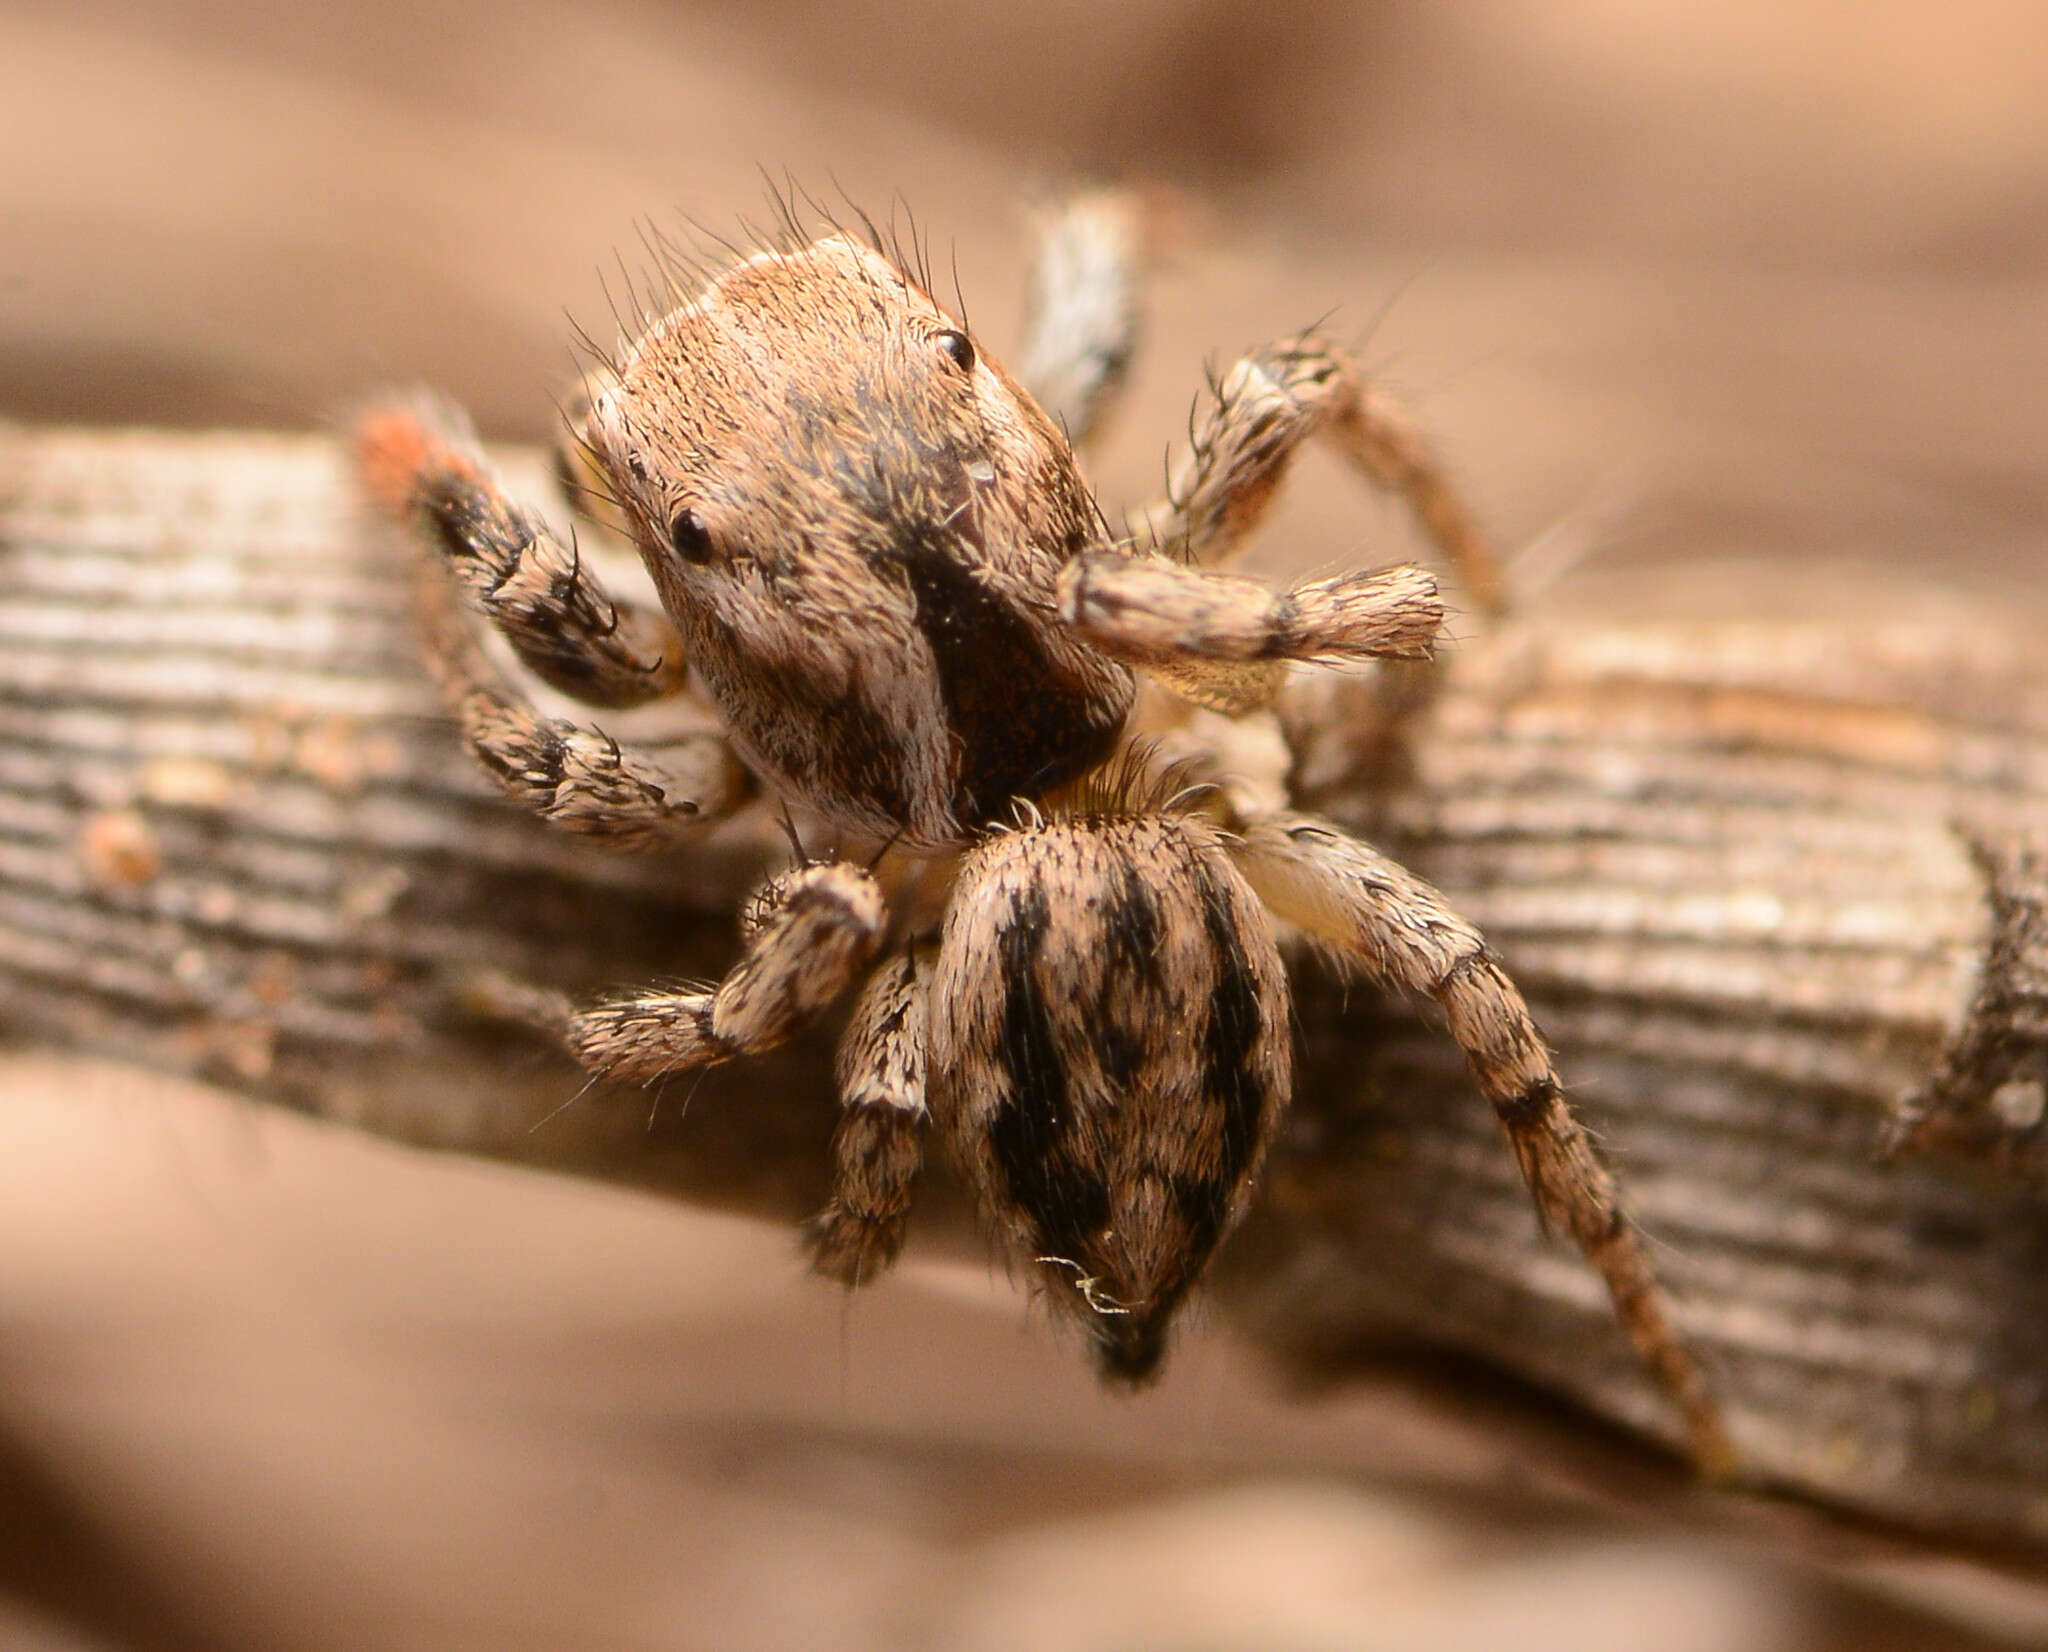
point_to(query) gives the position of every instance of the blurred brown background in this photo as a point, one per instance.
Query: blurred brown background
(1671, 283)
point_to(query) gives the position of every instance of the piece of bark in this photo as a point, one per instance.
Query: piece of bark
(1773, 887)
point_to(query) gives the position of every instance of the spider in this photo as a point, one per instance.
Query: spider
(878, 561)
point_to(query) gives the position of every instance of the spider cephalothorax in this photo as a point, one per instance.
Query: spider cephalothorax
(858, 523)
(877, 555)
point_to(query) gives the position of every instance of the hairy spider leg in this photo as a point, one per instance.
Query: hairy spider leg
(423, 466)
(1261, 412)
(562, 625)
(877, 1147)
(1223, 641)
(811, 932)
(1377, 914)
(1081, 321)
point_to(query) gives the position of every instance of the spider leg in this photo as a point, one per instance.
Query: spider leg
(1222, 641)
(809, 934)
(1264, 408)
(425, 468)
(573, 776)
(562, 625)
(877, 1148)
(1081, 327)
(1399, 928)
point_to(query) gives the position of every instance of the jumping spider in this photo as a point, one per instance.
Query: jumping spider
(881, 564)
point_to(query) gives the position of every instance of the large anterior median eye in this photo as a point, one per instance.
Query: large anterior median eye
(690, 537)
(958, 346)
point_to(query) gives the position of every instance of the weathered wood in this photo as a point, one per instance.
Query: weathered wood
(1764, 882)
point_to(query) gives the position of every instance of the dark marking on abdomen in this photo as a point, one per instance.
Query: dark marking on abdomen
(1234, 1078)
(1032, 1131)
(1132, 934)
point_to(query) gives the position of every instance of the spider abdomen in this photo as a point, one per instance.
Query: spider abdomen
(1109, 1050)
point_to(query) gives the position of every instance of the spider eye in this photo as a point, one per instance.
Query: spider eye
(689, 537)
(958, 346)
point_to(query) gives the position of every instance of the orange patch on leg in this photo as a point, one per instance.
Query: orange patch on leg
(395, 449)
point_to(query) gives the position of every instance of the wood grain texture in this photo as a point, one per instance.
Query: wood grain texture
(1764, 881)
